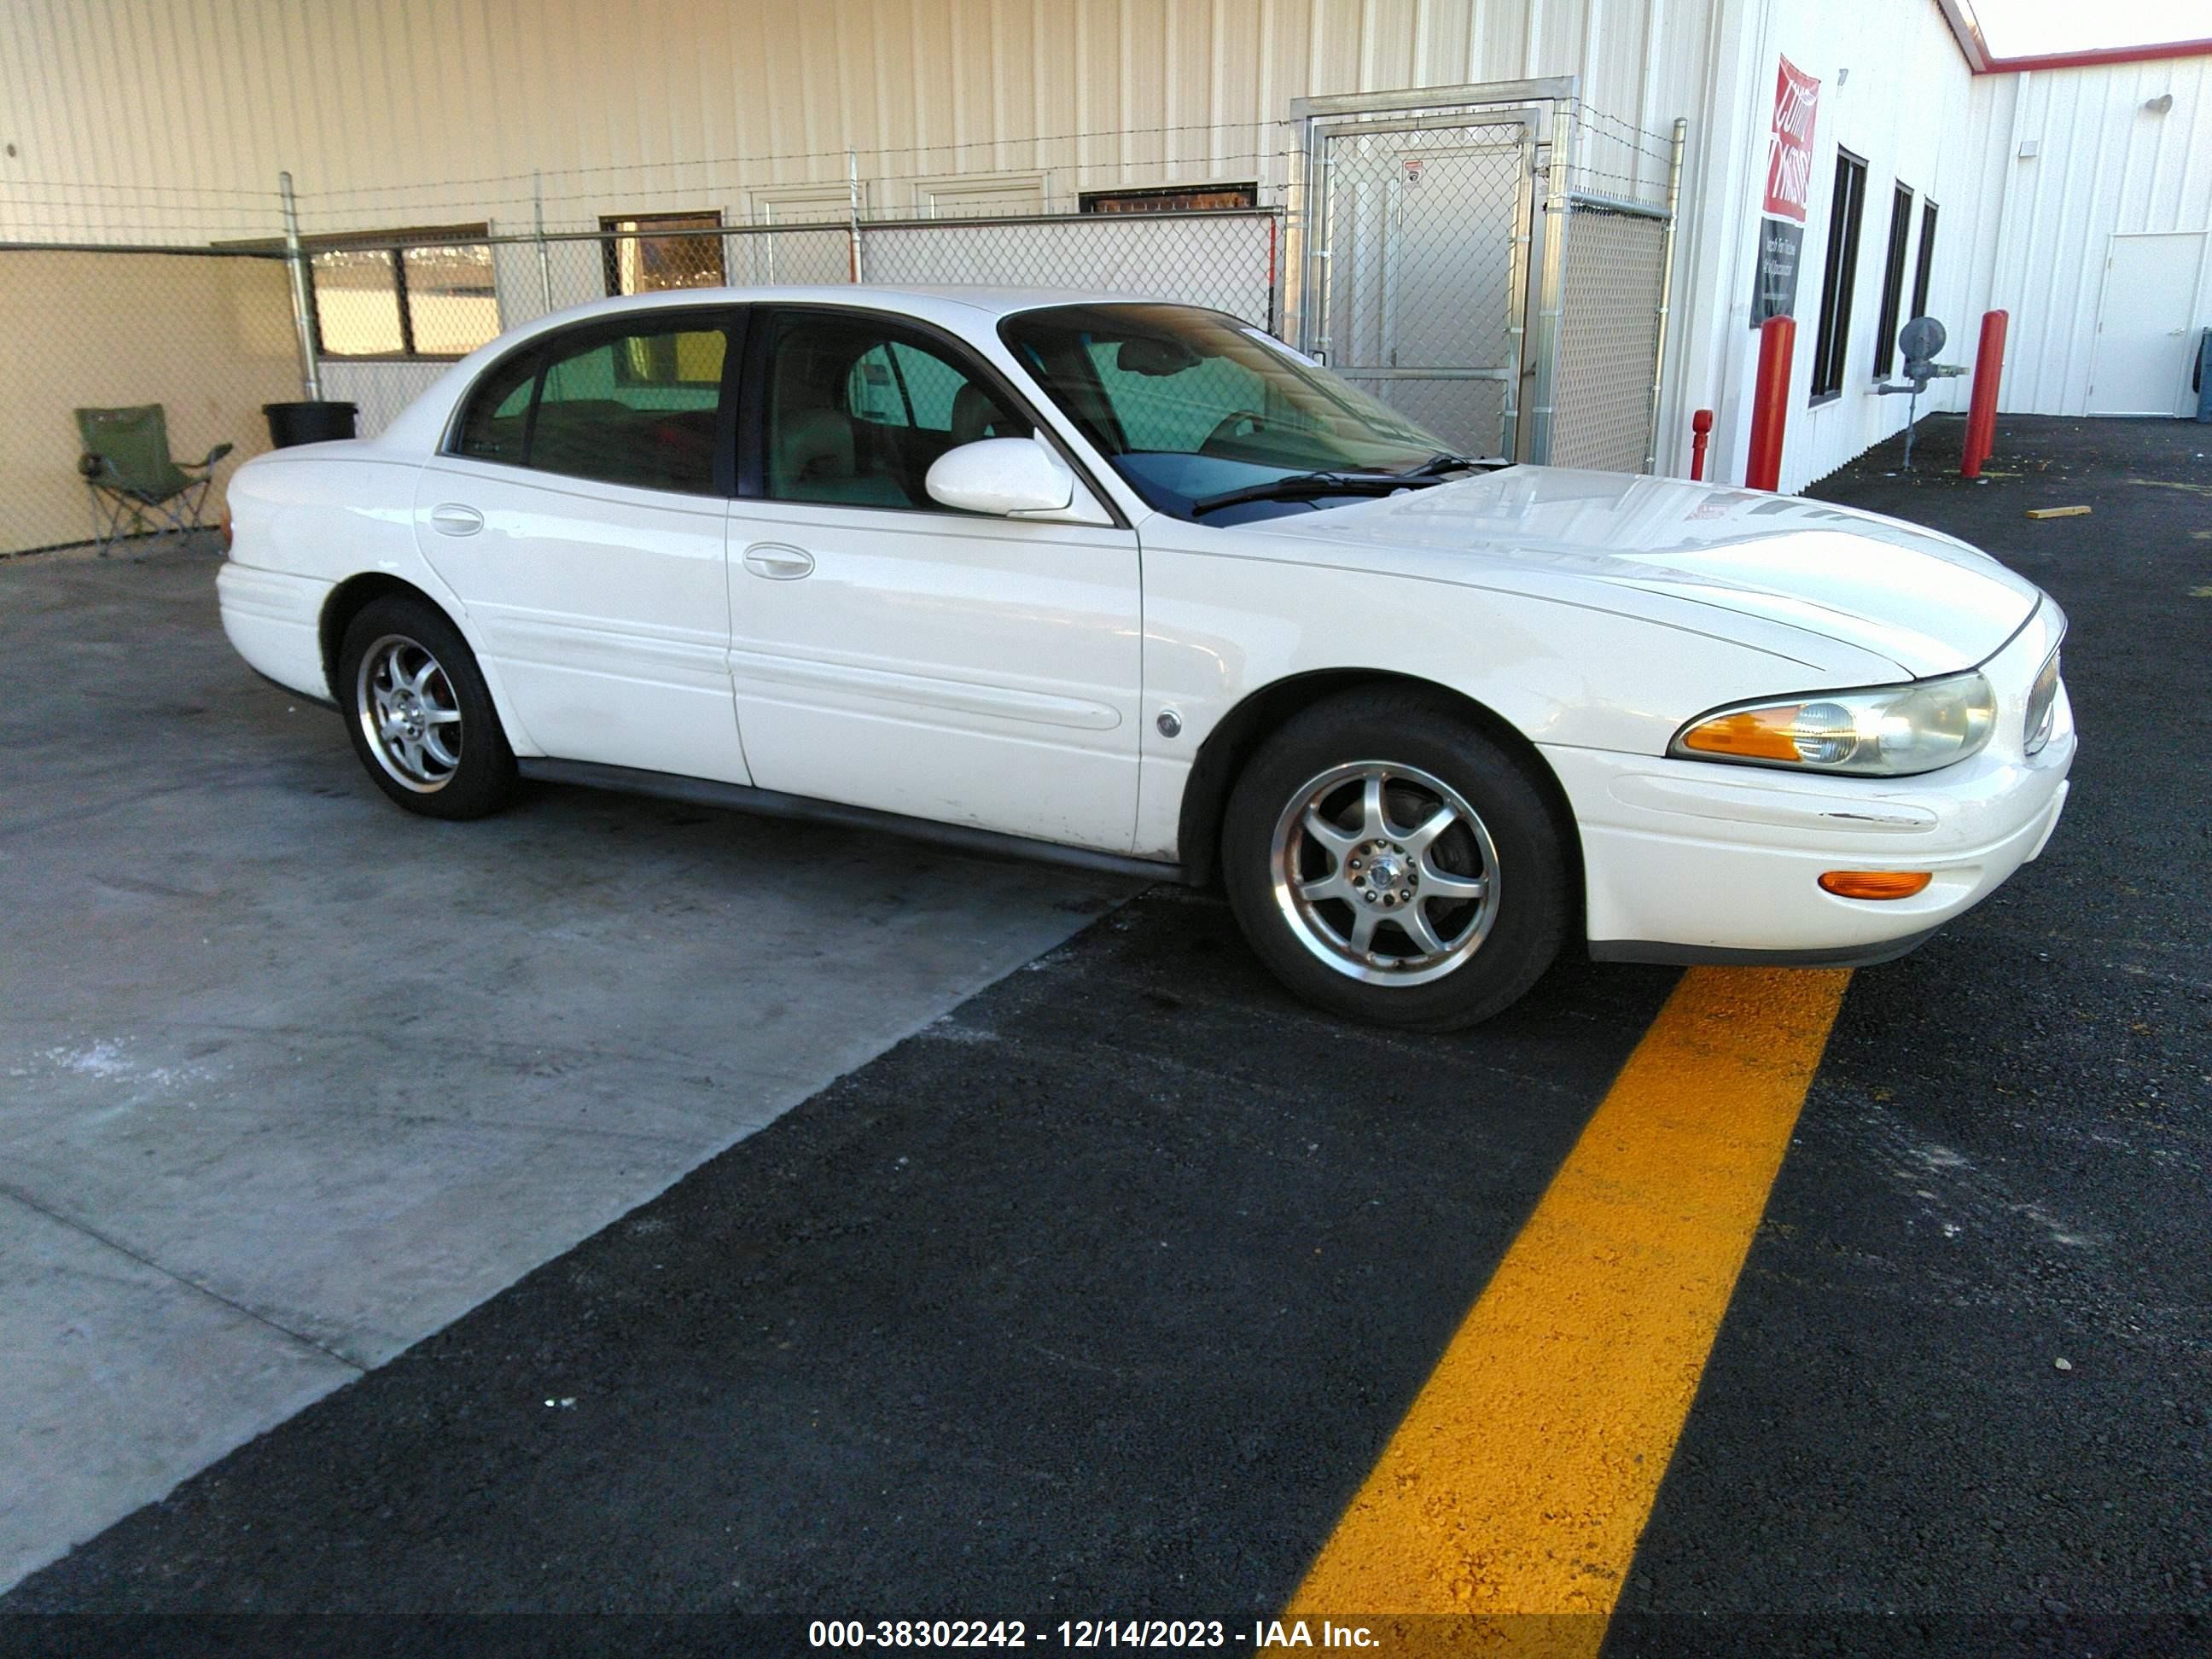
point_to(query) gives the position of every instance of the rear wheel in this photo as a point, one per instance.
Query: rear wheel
(1389, 861)
(420, 717)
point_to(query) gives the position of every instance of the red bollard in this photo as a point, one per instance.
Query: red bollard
(1701, 426)
(1982, 408)
(1769, 403)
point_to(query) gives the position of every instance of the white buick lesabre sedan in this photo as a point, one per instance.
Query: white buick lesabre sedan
(1134, 583)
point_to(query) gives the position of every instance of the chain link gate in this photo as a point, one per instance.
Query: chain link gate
(1494, 261)
(1417, 278)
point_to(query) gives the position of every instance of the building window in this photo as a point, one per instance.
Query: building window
(1893, 282)
(1927, 260)
(652, 252)
(1840, 272)
(404, 293)
(1174, 198)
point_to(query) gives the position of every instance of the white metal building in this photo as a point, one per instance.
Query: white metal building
(2079, 197)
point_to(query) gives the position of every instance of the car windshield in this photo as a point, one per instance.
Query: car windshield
(1191, 405)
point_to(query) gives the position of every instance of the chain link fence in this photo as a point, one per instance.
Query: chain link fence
(387, 317)
(1610, 337)
(207, 337)
(1409, 246)
(210, 335)
(1493, 262)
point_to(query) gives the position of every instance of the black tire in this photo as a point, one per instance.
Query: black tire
(1421, 752)
(482, 780)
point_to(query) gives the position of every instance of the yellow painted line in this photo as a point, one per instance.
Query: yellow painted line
(1521, 1479)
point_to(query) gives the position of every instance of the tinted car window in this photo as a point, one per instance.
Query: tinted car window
(498, 417)
(640, 408)
(858, 408)
(637, 408)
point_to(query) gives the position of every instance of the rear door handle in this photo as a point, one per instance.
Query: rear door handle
(777, 563)
(452, 518)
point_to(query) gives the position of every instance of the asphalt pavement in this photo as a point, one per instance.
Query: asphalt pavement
(1099, 1296)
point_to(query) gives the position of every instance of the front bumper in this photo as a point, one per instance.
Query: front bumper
(1692, 861)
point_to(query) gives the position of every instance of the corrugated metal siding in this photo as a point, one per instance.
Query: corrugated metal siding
(388, 111)
(2106, 165)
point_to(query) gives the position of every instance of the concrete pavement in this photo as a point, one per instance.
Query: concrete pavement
(290, 1079)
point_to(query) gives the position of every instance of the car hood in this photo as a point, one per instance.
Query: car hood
(1927, 602)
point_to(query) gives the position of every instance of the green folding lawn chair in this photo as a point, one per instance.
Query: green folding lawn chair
(136, 484)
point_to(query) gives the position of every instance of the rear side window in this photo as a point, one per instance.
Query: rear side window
(498, 418)
(641, 407)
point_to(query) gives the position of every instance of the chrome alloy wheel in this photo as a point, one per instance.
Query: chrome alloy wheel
(408, 712)
(1384, 873)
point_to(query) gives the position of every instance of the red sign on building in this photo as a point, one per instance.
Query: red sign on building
(1790, 157)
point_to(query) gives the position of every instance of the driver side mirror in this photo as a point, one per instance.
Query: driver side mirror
(1010, 478)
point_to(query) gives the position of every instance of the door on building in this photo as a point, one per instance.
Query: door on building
(1417, 283)
(2144, 335)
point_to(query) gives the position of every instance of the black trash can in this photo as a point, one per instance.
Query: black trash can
(308, 422)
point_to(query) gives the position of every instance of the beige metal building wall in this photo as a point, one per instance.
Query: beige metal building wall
(2112, 158)
(389, 111)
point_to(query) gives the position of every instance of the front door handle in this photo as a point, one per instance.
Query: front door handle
(452, 518)
(777, 563)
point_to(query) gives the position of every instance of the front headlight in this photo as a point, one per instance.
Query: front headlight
(1890, 731)
(2042, 706)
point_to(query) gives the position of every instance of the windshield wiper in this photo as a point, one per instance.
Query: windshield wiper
(1444, 461)
(1306, 486)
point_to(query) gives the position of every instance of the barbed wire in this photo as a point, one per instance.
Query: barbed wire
(837, 156)
(1597, 117)
(145, 189)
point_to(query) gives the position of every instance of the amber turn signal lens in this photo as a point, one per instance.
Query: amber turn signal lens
(1748, 734)
(1875, 884)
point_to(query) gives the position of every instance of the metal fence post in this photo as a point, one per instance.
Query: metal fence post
(1516, 298)
(1549, 308)
(1665, 287)
(1313, 243)
(852, 211)
(545, 257)
(303, 315)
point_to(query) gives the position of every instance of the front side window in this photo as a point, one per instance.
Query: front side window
(642, 406)
(857, 409)
(1187, 404)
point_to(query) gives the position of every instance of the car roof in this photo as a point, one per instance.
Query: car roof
(920, 299)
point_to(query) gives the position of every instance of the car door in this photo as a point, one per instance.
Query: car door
(579, 510)
(890, 652)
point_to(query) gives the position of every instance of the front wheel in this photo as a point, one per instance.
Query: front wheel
(420, 717)
(1391, 862)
